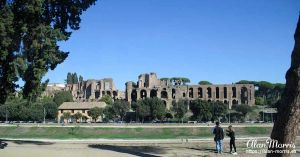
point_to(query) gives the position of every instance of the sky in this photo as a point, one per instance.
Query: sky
(215, 40)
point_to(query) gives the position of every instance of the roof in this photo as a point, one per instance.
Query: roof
(81, 105)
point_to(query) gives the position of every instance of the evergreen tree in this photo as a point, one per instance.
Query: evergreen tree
(74, 78)
(80, 78)
(69, 78)
(30, 31)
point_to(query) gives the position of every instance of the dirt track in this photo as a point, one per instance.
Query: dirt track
(49, 149)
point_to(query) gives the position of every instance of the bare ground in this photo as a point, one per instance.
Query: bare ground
(95, 149)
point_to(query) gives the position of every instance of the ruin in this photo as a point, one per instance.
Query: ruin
(93, 90)
(149, 86)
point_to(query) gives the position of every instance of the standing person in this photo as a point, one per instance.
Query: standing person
(219, 136)
(231, 134)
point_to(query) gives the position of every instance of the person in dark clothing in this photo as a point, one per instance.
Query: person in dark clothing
(219, 136)
(231, 134)
(2, 144)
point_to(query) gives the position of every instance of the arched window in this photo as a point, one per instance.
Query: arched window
(244, 95)
(191, 93)
(133, 95)
(164, 94)
(217, 93)
(225, 92)
(143, 94)
(200, 94)
(173, 93)
(209, 92)
(153, 93)
(233, 92)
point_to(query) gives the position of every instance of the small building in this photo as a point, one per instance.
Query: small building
(81, 107)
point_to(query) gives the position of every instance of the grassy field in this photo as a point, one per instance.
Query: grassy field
(121, 133)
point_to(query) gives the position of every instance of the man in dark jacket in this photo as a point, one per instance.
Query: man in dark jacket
(219, 136)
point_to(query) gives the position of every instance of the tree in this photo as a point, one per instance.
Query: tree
(169, 116)
(243, 109)
(80, 78)
(109, 113)
(157, 108)
(51, 110)
(8, 73)
(286, 126)
(74, 78)
(69, 78)
(107, 99)
(77, 116)
(120, 108)
(29, 35)
(179, 80)
(267, 93)
(95, 113)
(180, 108)
(201, 110)
(164, 79)
(142, 109)
(218, 109)
(204, 83)
(36, 112)
(63, 96)
(66, 116)
(259, 100)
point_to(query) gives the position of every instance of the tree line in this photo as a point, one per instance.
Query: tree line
(72, 78)
(155, 110)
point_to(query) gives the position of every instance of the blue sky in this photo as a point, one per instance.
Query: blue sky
(215, 40)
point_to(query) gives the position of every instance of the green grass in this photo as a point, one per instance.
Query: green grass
(122, 133)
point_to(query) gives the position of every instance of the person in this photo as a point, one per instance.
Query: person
(219, 136)
(2, 144)
(231, 134)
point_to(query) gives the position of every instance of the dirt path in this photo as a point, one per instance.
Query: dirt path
(51, 149)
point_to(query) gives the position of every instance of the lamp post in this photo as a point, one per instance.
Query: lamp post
(6, 115)
(264, 114)
(44, 115)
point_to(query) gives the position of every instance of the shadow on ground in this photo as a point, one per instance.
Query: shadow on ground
(29, 142)
(144, 151)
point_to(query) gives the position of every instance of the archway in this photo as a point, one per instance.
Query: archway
(191, 93)
(173, 93)
(164, 94)
(234, 102)
(209, 92)
(97, 94)
(115, 94)
(108, 93)
(153, 93)
(200, 94)
(143, 94)
(217, 93)
(233, 92)
(134, 95)
(244, 95)
(225, 92)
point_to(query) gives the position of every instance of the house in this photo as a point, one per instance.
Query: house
(81, 107)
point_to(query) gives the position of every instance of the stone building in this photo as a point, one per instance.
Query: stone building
(92, 90)
(149, 86)
(79, 107)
